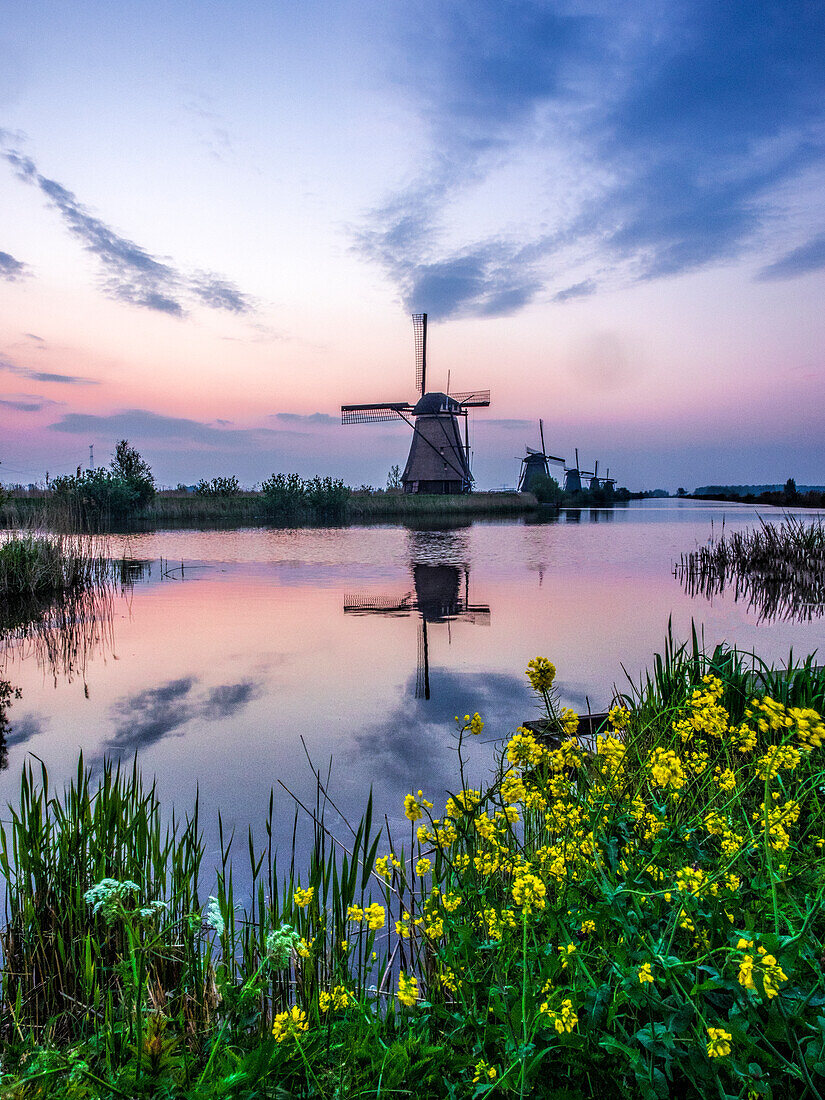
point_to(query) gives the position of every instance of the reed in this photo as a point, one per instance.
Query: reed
(40, 565)
(778, 570)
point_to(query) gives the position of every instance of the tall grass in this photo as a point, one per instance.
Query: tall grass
(41, 565)
(778, 570)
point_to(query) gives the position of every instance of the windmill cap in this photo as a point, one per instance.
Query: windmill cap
(433, 403)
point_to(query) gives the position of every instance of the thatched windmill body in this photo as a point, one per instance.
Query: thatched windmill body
(536, 465)
(439, 459)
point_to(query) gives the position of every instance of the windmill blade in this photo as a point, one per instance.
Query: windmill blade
(374, 414)
(541, 433)
(356, 604)
(554, 458)
(420, 332)
(472, 399)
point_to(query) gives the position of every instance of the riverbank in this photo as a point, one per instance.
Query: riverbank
(638, 917)
(180, 509)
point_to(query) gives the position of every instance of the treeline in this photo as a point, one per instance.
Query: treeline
(788, 496)
(125, 491)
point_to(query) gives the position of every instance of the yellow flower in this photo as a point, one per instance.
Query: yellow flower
(645, 973)
(483, 1070)
(618, 717)
(414, 807)
(588, 926)
(402, 927)
(423, 867)
(338, 997)
(375, 916)
(529, 892)
(407, 990)
(355, 912)
(666, 768)
(382, 867)
(304, 947)
(563, 1020)
(541, 673)
(746, 973)
(569, 721)
(289, 1023)
(475, 723)
(718, 1042)
(302, 898)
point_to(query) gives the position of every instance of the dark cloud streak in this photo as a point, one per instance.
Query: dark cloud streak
(129, 273)
(11, 269)
(686, 119)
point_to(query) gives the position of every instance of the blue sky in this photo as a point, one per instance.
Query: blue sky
(215, 221)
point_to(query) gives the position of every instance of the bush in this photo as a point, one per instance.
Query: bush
(288, 495)
(218, 487)
(546, 490)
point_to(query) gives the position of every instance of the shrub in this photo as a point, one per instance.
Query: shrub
(218, 487)
(288, 495)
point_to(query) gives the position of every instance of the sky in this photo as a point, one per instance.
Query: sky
(216, 220)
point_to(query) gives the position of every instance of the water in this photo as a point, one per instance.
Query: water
(356, 647)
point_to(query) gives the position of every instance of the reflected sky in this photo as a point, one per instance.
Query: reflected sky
(228, 680)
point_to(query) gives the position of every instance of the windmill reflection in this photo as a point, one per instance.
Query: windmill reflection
(440, 595)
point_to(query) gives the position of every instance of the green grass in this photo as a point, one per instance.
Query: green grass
(41, 565)
(586, 924)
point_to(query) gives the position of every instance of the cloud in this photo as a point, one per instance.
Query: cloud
(25, 402)
(129, 273)
(654, 141)
(577, 290)
(507, 424)
(801, 261)
(307, 418)
(10, 268)
(150, 715)
(143, 424)
(24, 729)
(45, 376)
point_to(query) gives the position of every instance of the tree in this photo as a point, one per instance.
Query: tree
(394, 478)
(680, 492)
(129, 467)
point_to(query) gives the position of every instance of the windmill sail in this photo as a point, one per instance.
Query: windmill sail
(373, 414)
(472, 399)
(420, 331)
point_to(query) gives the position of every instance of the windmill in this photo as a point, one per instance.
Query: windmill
(438, 462)
(594, 480)
(535, 464)
(440, 594)
(572, 477)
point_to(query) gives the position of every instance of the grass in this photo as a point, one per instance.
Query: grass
(41, 565)
(175, 508)
(641, 917)
(779, 570)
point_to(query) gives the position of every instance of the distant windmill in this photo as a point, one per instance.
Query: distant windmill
(441, 595)
(535, 465)
(438, 462)
(594, 480)
(572, 477)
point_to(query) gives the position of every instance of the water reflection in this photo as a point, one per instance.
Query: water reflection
(782, 596)
(440, 594)
(61, 635)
